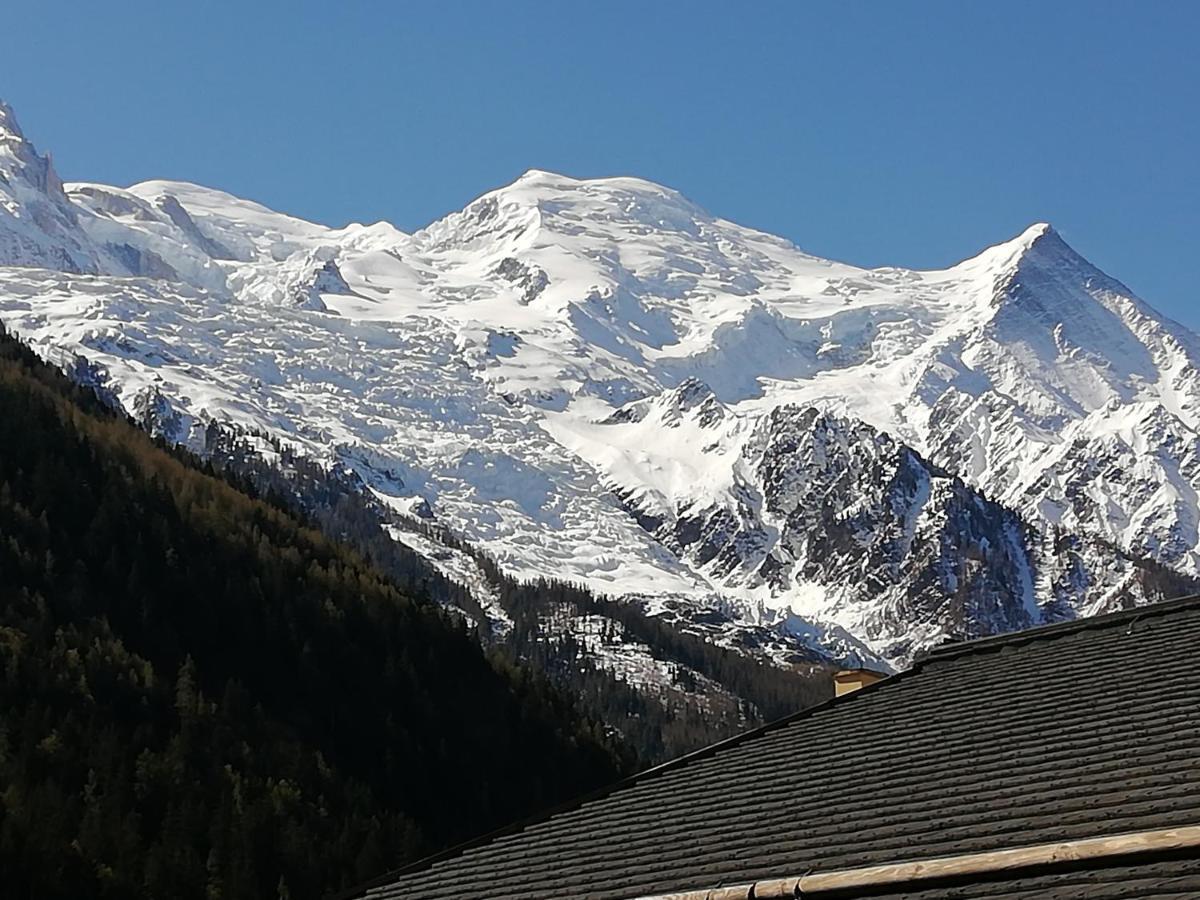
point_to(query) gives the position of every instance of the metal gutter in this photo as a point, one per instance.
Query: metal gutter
(972, 864)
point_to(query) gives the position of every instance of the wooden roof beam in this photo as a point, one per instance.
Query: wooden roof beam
(968, 865)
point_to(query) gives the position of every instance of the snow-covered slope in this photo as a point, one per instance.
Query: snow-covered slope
(599, 381)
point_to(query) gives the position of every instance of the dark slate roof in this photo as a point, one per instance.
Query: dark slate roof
(1072, 731)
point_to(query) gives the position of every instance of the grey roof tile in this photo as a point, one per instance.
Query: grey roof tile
(1067, 732)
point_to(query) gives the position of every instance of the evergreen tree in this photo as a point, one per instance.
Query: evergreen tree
(202, 696)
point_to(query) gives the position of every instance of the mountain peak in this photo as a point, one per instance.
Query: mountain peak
(9, 129)
(1035, 232)
(1041, 249)
(1042, 239)
(608, 186)
(1038, 276)
(1039, 244)
(17, 154)
(38, 224)
(19, 160)
(536, 175)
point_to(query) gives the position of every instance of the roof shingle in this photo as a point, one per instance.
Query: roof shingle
(1073, 731)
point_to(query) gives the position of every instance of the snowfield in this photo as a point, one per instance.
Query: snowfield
(601, 382)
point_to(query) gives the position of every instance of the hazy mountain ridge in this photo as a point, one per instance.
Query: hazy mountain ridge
(599, 381)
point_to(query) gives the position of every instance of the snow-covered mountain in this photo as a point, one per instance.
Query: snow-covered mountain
(600, 381)
(38, 225)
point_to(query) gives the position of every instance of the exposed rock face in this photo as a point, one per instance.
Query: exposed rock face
(530, 279)
(318, 275)
(38, 225)
(156, 415)
(831, 520)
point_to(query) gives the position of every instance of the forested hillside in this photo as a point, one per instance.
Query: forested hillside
(201, 696)
(699, 693)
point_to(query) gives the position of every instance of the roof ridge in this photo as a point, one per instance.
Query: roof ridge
(952, 650)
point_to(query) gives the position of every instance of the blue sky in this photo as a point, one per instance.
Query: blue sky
(879, 133)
